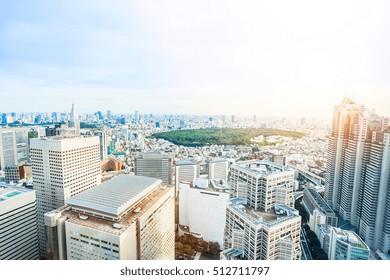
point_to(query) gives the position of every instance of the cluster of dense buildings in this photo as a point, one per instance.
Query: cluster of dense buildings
(85, 205)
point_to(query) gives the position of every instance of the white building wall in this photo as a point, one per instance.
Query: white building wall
(157, 229)
(18, 227)
(204, 212)
(61, 169)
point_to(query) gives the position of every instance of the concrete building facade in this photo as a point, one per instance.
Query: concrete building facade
(126, 218)
(18, 224)
(62, 167)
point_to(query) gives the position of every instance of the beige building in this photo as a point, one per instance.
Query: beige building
(126, 218)
(259, 235)
(260, 221)
(62, 167)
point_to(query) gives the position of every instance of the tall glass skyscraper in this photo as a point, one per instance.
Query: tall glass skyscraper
(357, 180)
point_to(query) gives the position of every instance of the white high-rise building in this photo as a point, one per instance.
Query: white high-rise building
(259, 235)
(126, 218)
(186, 171)
(62, 167)
(13, 147)
(18, 224)
(358, 172)
(260, 221)
(202, 209)
(155, 165)
(262, 184)
(218, 169)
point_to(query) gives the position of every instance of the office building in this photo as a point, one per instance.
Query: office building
(262, 184)
(14, 147)
(186, 171)
(126, 218)
(257, 235)
(218, 169)
(261, 222)
(357, 179)
(18, 224)
(62, 167)
(317, 208)
(346, 245)
(202, 209)
(155, 165)
(103, 142)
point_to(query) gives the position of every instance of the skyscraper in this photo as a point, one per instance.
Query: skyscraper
(357, 180)
(260, 221)
(155, 165)
(62, 167)
(126, 218)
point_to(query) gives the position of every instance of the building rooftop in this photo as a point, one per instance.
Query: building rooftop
(280, 214)
(262, 167)
(320, 201)
(114, 197)
(187, 162)
(232, 254)
(350, 237)
(8, 193)
(213, 185)
(113, 227)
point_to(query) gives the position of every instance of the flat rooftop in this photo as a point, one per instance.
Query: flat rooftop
(115, 196)
(320, 201)
(186, 162)
(212, 185)
(262, 167)
(8, 193)
(125, 222)
(350, 237)
(280, 214)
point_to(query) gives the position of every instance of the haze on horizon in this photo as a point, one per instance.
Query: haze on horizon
(268, 58)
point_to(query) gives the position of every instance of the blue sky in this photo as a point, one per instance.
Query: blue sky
(269, 58)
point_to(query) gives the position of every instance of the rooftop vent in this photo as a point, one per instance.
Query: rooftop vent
(117, 226)
(83, 217)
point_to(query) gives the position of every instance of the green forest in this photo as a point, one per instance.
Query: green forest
(221, 136)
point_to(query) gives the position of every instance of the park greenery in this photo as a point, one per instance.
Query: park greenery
(222, 136)
(187, 245)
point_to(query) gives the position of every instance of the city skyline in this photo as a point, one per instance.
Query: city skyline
(194, 58)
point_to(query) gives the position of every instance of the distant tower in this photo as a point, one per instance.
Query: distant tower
(74, 122)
